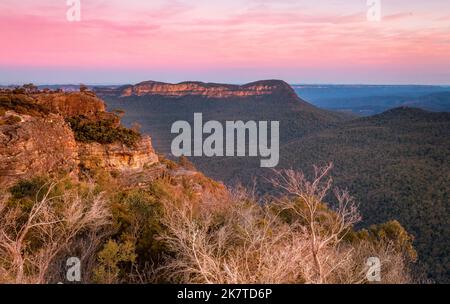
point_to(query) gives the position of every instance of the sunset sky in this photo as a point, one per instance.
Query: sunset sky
(235, 41)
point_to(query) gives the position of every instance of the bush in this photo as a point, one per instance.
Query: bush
(33, 239)
(27, 188)
(170, 164)
(110, 258)
(83, 88)
(22, 104)
(184, 162)
(102, 131)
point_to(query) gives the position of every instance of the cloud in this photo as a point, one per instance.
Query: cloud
(398, 16)
(206, 35)
(270, 17)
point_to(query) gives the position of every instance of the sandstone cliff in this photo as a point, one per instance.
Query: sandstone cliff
(33, 145)
(117, 156)
(35, 138)
(211, 90)
(75, 104)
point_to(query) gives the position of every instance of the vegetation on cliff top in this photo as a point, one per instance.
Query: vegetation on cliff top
(21, 104)
(105, 130)
(102, 131)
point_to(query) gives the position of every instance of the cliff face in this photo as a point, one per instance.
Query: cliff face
(211, 90)
(35, 138)
(75, 104)
(117, 156)
(32, 145)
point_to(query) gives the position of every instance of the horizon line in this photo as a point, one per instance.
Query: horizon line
(232, 83)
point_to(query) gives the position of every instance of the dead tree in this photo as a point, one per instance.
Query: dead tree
(53, 223)
(307, 203)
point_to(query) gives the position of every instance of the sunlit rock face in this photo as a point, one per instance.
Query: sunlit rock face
(72, 104)
(36, 140)
(211, 90)
(75, 104)
(117, 156)
(32, 146)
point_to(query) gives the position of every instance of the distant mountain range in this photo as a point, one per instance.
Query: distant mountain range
(396, 163)
(437, 102)
(368, 100)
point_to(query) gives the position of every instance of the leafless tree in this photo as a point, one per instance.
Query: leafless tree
(243, 240)
(248, 245)
(31, 240)
(307, 202)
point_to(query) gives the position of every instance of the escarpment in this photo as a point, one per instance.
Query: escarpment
(192, 88)
(116, 156)
(73, 104)
(38, 136)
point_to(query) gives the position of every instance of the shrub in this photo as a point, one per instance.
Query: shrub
(32, 239)
(102, 131)
(30, 88)
(22, 104)
(109, 258)
(83, 88)
(184, 162)
(27, 188)
(170, 164)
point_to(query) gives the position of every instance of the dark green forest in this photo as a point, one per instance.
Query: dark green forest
(396, 163)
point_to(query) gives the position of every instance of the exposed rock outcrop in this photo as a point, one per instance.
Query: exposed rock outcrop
(36, 146)
(117, 156)
(212, 90)
(75, 104)
(35, 138)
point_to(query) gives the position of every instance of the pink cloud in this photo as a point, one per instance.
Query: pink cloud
(397, 16)
(177, 35)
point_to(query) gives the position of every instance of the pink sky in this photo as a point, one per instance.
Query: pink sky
(322, 41)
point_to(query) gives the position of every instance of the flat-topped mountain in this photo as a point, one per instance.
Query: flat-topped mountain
(211, 90)
(155, 106)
